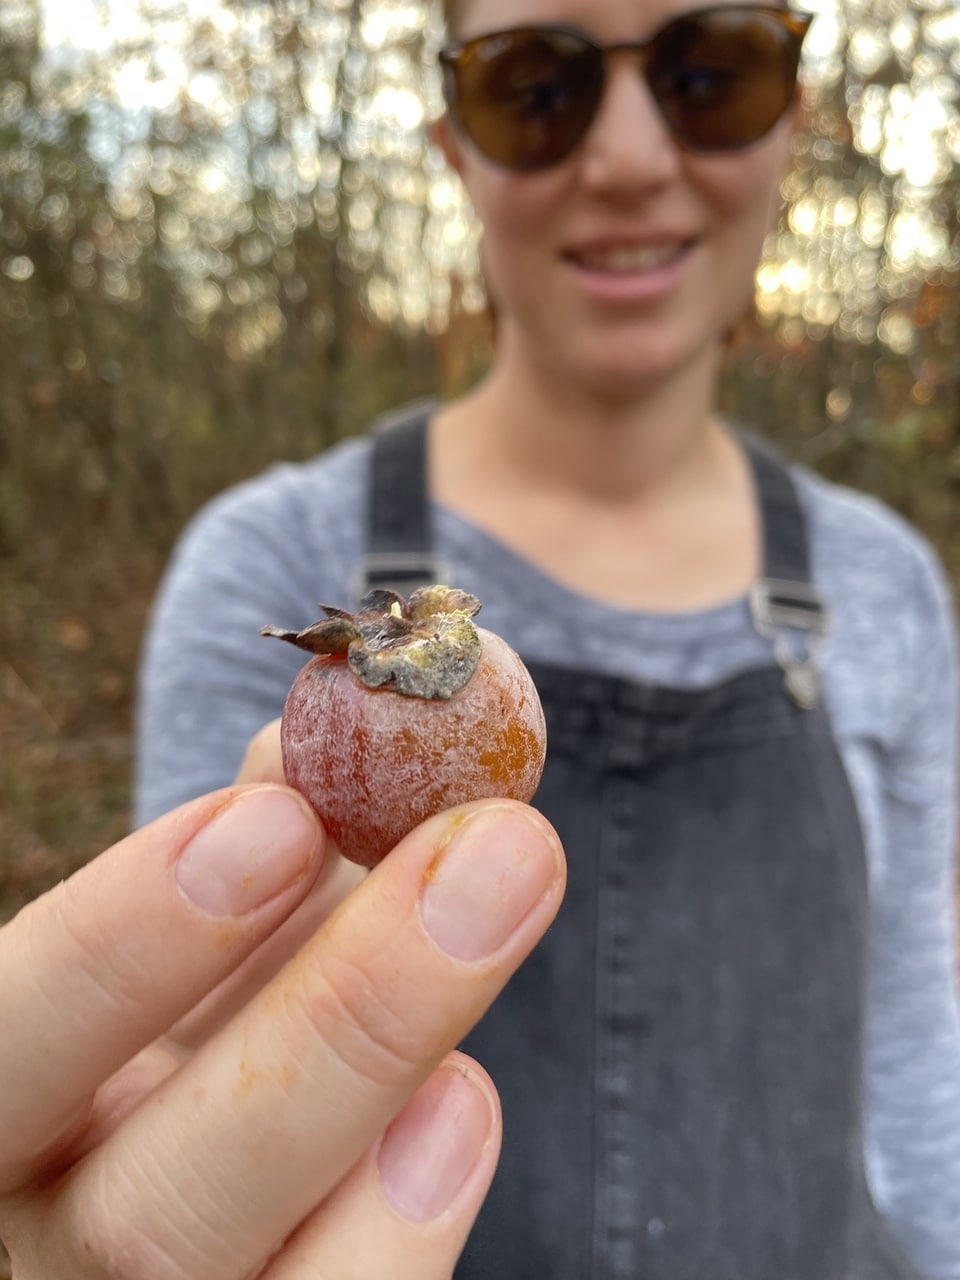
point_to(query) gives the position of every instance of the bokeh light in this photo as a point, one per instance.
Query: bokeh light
(226, 128)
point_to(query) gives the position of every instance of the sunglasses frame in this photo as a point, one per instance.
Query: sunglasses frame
(455, 54)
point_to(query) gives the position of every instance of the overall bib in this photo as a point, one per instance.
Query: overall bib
(680, 1060)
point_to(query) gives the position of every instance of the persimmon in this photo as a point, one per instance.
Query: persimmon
(406, 708)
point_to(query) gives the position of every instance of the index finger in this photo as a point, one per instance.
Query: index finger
(262, 761)
(103, 964)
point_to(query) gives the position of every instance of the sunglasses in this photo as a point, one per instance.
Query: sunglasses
(721, 78)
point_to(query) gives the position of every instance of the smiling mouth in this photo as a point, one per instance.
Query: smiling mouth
(629, 259)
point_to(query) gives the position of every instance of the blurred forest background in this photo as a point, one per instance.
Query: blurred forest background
(224, 239)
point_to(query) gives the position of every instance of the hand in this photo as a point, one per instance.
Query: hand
(326, 1129)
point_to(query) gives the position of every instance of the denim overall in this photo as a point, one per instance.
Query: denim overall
(680, 1060)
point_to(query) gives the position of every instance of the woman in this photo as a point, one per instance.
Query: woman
(736, 1052)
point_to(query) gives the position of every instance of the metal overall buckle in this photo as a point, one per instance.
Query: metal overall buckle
(775, 605)
(400, 571)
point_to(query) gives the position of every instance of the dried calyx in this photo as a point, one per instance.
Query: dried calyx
(423, 647)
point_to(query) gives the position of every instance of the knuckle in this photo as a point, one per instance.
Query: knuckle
(366, 1026)
(110, 1246)
(113, 1242)
(104, 966)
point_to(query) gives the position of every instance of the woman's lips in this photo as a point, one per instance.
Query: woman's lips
(630, 271)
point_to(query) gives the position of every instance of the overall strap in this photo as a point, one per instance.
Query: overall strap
(399, 549)
(783, 600)
(784, 527)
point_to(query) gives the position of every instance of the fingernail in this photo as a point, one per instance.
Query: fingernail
(491, 875)
(429, 1151)
(259, 844)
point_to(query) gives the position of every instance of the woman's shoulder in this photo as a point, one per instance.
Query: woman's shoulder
(294, 531)
(859, 542)
(891, 603)
(329, 482)
(311, 501)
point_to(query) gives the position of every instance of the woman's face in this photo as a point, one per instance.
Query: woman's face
(627, 262)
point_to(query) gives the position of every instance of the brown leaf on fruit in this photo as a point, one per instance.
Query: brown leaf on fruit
(424, 647)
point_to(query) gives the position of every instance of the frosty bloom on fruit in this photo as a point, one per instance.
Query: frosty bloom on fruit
(406, 708)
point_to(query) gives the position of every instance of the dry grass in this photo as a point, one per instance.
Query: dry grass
(70, 642)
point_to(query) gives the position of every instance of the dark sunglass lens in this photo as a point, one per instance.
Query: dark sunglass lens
(724, 78)
(525, 98)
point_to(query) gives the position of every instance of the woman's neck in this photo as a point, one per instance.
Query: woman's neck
(573, 482)
(552, 434)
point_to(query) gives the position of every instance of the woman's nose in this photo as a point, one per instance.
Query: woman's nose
(628, 146)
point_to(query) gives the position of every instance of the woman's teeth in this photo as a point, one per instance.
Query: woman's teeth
(635, 258)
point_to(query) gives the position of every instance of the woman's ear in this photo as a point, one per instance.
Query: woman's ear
(443, 134)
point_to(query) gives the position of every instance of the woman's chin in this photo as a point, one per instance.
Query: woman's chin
(617, 376)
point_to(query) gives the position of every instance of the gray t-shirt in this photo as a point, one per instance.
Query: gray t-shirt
(270, 549)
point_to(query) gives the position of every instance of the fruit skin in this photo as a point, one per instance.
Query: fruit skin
(374, 763)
